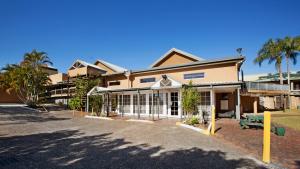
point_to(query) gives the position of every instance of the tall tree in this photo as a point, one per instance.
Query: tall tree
(271, 51)
(27, 79)
(290, 48)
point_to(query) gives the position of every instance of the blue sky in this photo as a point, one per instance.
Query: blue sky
(133, 34)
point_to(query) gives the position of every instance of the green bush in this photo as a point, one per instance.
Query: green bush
(193, 120)
(74, 103)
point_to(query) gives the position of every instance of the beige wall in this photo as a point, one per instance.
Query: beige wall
(104, 67)
(77, 72)
(213, 73)
(174, 59)
(49, 71)
(83, 71)
(216, 73)
(295, 101)
(124, 81)
(59, 77)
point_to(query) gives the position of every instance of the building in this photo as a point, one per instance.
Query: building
(273, 101)
(157, 90)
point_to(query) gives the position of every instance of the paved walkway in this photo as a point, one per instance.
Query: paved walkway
(57, 140)
(284, 150)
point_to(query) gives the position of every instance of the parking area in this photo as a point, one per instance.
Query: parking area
(32, 139)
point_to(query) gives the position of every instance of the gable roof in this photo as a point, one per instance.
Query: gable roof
(112, 66)
(239, 59)
(86, 64)
(177, 51)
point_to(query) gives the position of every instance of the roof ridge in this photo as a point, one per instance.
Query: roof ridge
(178, 51)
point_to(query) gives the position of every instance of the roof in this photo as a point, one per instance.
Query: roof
(112, 66)
(269, 77)
(203, 62)
(177, 51)
(86, 64)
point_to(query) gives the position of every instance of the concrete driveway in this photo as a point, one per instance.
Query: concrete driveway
(31, 139)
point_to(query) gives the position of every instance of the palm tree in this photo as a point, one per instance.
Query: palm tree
(36, 59)
(272, 52)
(290, 48)
(27, 79)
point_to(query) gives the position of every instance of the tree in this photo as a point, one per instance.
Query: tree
(190, 99)
(271, 52)
(290, 48)
(82, 87)
(96, 103)
(27, 79)
(74, 104)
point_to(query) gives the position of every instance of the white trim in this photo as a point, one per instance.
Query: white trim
(175, 84)
(177, 51)
(96, 117)
(85, 64)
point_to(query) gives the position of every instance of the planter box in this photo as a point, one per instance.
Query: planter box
(203, 131)
(96, 117)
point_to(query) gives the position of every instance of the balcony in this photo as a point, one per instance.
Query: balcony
(266, 88)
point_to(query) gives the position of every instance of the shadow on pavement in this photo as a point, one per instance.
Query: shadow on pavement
(73, 149)
(21, 115)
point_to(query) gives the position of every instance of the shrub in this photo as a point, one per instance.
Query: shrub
(193, 120)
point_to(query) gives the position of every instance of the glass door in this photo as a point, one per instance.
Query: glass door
(174, 103)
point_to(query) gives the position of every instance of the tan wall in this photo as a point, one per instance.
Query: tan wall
(217, 73)
(6, 97)
(59, 77)
(77, 71)
(104, 67)
(50, 71)
(124, 82)
(269, 102)
(213, 73)
(295, 101)
(174, 59)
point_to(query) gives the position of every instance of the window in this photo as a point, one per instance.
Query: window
(193, 75)
(124, 103)
(142, 103)
(147, 80)
(114, 83)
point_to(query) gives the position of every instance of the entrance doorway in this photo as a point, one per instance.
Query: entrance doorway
(174, 103)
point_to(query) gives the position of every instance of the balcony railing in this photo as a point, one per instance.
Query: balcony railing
(266, 86)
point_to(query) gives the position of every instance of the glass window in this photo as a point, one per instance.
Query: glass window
(114, 83)
(124, 103)
(142, 103)
(147, 80)
(193, 75)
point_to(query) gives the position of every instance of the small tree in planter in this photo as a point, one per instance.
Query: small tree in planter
(190, 99)
(96, 104)
(74, 104)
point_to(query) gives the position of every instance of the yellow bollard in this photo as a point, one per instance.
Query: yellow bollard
(213, 119)
(267, 137)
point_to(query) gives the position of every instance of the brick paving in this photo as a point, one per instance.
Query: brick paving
(284, 150)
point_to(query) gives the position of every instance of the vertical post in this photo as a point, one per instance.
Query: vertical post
(139, 108)
(238, 108)
(122, 107)
(152, 107)
(158, 104)
(213, 119)
(255, 106)
(107, 105)
(267, 137)
(87, 103)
